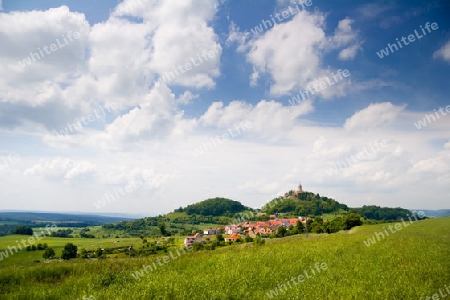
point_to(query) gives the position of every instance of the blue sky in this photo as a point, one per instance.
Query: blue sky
(113, 54)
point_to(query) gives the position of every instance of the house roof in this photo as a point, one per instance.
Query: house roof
(235, 236)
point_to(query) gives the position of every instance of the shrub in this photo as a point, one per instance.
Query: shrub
(70, 251)
(48, 253)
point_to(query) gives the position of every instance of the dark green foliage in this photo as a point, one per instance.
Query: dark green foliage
(197, 246)
(281, 232)
(215, 207)
(70, 251)
(22, 229)
(42, 246)
(63, 233)
(304, 204)
(220, 238)
(382, 213)
(162, 228)
(352, 220)
(49, 253)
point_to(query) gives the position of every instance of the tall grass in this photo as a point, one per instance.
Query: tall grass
(409, 264)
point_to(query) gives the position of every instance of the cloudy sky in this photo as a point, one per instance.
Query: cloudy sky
(143, 106)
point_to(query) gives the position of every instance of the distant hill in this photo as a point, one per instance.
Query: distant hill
(9, 219)
(214, 207)
(439, 213)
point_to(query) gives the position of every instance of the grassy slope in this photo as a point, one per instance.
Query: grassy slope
(409, 264)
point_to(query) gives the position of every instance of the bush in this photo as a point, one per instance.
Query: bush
(49, 253)
(70, 251)
(197, 246)
(259, 240)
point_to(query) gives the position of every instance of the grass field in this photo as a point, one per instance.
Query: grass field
(409, 264)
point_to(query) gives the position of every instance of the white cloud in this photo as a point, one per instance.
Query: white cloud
(268, 118)
(180, 35)
(293, 65)
(443, 52)
(61, 168)
(375, 115)
(51, 54)
(186, 98)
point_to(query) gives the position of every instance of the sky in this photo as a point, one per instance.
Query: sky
(145, 106)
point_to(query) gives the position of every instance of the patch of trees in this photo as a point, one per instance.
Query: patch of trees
(374, 212)
(39, 247)
(304, 204)
(62, 233)
(214, 207)
(84, 234)
(337, 224)
(22, 229)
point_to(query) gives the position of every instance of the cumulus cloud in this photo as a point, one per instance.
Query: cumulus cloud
(293, 65)
(375, 115)
(443, 52)
(61, 168)
(268, 118)
(172, 24)
(37, 55)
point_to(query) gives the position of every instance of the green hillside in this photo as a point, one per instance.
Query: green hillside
(214, 207)
(408, 264)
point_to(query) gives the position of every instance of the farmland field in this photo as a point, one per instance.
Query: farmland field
(409, 264)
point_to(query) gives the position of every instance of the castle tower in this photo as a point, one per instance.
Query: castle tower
(300, 190)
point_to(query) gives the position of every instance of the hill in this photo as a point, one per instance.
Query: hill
(9, 220)
(215, 207)
(436, 213)
(304, 204)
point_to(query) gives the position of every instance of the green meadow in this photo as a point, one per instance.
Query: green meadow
(409, 264)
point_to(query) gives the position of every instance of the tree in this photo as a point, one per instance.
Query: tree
(299, 226)
(22, 229)
(352, 220)
(162, 228)
(70, 251)
(220, 238)
(281, 231)
(49, 253)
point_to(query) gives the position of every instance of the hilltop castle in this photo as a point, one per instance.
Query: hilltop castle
(299, 191)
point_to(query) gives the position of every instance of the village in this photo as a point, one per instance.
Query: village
(240, 231)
